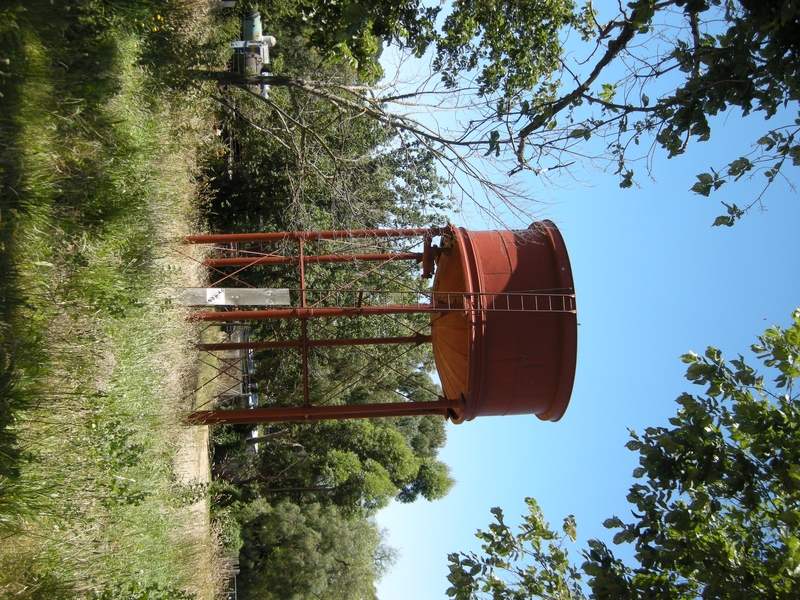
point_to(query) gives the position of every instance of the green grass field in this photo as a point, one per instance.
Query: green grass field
(100, 139)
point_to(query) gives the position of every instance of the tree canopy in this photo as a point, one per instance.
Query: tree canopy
(310, 551)
(654, 70)
(715, 513)
(551, 87)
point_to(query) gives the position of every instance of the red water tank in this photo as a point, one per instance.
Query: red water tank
(503, 357)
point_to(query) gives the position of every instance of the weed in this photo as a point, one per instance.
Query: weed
(98, 148)
(135, 591)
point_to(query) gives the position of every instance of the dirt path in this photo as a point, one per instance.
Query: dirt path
(191, 461)
(191, 464)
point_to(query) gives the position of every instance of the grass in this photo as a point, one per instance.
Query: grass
(99, 142)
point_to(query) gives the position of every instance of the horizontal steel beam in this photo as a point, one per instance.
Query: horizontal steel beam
(323, 413)
(310, 313)
(226, 238)
(415, 339)
(318, 259)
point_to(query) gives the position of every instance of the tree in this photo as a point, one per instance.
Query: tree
(312, 161)
(309, 551)
(534, 562)
(658, 68)
(355, 32)
(716, 512)
(528, 95)
(357, 465)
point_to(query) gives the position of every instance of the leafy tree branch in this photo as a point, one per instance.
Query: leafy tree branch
(715, 508)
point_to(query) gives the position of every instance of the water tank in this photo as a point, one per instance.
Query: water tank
(505, 358)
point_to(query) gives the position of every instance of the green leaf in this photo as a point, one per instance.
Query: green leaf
(698, 371)
(608, 93)
(494, 144)
(790, 517)
(767, 141)
(739, 167)
(689, 357)
(705, 178)
(624, 536)
(613, 523)
(702, 189)
(704, 184)
(724, 220)
(570, 527)
(627, 180)
(794, 153)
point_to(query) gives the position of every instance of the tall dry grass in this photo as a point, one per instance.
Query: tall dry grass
(99, 143)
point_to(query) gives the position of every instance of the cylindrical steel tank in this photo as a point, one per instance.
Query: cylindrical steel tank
(505, 362)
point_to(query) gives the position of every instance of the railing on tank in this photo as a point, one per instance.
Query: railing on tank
(334, 303)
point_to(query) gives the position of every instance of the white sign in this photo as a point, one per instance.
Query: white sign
(233, 297)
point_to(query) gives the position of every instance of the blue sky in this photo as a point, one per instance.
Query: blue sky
(653, 280)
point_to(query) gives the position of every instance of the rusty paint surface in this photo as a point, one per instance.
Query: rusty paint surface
(506, 362)
(323, 413)
(414, 339)
(227, 238)
(314, 259)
